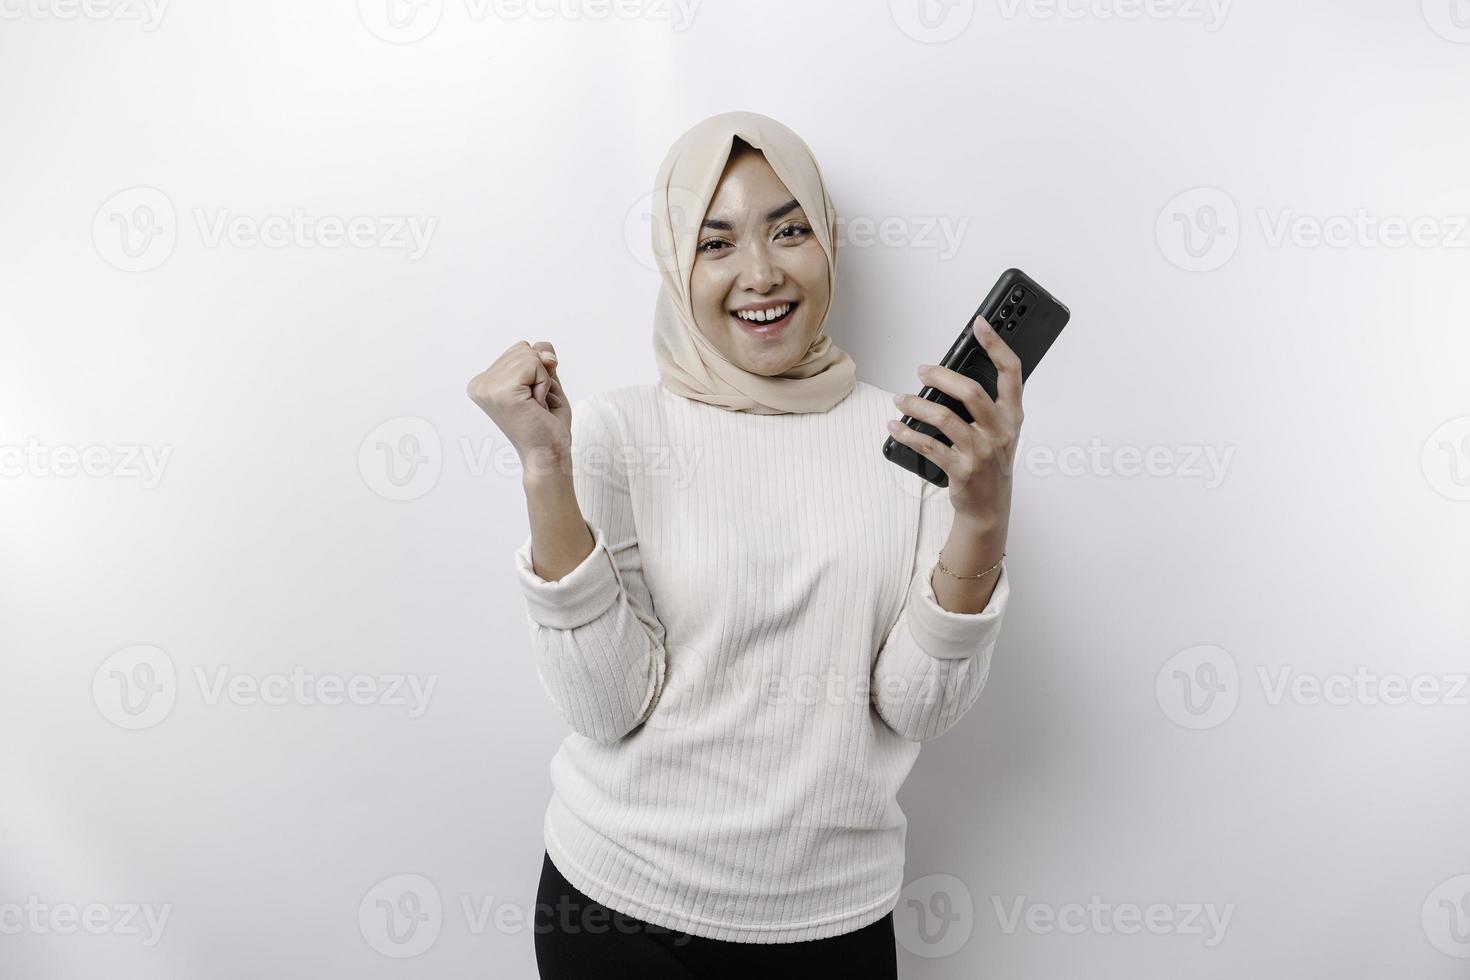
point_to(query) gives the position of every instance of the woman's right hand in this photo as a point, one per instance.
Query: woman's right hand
(524, 398)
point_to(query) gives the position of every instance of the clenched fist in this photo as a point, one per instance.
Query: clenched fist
(524, 398)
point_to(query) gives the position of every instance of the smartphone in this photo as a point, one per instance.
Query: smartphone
(1027, 318)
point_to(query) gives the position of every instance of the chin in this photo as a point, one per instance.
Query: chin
(771, 362)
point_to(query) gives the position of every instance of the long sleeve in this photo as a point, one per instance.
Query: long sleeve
(598, 644)
(934, 662)
(784, 553)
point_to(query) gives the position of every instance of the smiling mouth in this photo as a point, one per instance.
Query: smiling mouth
(766, 328)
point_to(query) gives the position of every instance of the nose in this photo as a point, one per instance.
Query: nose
(757, 272)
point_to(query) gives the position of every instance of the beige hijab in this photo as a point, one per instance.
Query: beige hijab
(688, 363)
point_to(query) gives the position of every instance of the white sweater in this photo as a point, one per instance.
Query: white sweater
(755, 578)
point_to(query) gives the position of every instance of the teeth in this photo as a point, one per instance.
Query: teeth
(764, 316)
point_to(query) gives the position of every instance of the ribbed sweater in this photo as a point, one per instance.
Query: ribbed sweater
(748, 659)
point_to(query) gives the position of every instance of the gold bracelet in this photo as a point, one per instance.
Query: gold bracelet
(992, 568)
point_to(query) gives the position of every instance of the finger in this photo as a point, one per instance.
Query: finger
(555, 398)
(550, 366)
(942, 417)
(547, 353)
(540, 383)
(1008, 381)
(961, 387)
(935, 451)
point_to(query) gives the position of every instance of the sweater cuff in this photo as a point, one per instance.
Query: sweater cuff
(947, 635)
(579, 596)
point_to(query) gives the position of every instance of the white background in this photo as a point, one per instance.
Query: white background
(331, 503)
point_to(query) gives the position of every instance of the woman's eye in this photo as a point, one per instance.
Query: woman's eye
(711, 245)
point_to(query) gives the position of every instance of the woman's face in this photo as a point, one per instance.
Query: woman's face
(757, 252)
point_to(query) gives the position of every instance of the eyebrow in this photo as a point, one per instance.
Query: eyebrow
(719, 224)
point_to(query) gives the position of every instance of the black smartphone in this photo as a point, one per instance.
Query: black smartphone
(1027, 318)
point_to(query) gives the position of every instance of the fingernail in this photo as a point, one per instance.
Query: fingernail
(923, 368)
(894, 425)
(898, 399)
(985, 326)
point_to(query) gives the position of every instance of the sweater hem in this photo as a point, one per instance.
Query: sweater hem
(618, 901)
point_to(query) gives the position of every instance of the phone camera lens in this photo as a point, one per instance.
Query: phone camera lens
(1016, 294)
(1005, 311)
(1020, 311)
(1010, 324)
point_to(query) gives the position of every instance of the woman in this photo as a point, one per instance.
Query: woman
(749, 618)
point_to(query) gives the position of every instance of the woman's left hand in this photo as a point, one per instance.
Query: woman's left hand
(980, 461)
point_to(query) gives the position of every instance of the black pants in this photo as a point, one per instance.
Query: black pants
(578, 938)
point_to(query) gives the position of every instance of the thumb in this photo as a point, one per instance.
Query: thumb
(546, 378)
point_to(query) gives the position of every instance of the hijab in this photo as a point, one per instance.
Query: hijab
(687, 362)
